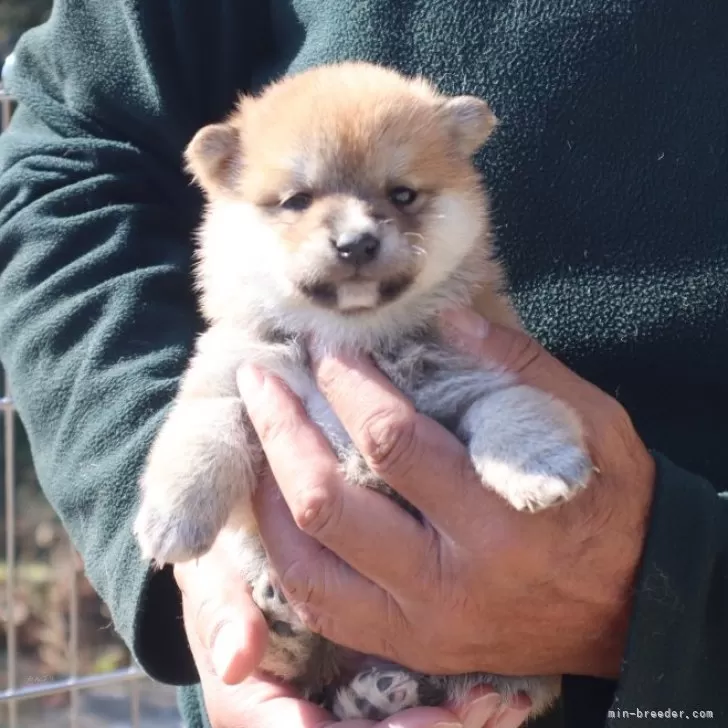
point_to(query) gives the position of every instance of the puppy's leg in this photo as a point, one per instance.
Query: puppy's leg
(204, 461)
(527, 446)
(202, 464)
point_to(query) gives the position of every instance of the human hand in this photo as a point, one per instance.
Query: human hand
(228, 635)
(478, 586)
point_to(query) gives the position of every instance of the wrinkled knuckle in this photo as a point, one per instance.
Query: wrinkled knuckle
(272, 428)
(612, 423)
(181, 573)
(390, 440)
(618, 417)
(299, 583)
(208, 619)
(522, 353)
(328, 372)
(314, 621)
(317, 508)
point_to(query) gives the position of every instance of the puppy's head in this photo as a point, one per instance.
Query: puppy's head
(344, 198)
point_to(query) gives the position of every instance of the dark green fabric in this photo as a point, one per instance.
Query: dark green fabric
(609, 178)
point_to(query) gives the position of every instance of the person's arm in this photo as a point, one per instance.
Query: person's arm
(97, 315)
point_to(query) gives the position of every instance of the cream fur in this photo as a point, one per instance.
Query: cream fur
(270, 278)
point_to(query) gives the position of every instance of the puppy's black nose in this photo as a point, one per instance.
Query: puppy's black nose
(357, 249)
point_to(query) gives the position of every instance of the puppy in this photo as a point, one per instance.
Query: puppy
(344, 211)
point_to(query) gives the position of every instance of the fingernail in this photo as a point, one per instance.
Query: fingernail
(511, 717)
(482, 710)
(225, 646)
(448, 725)
(467, 322)
(521, 701)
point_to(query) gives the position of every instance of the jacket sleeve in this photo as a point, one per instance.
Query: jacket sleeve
(97, 317)
(676, 661)
(677, 653)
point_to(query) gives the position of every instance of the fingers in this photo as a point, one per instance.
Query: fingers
(226, 631)
(329, 596)
(260, 702)
(417, 457)
(363, 527)
(518, 353)
(496, 345)
(485, 708)
(419, 718)
(264, 704)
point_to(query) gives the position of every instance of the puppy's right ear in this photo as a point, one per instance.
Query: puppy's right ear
(215, 158)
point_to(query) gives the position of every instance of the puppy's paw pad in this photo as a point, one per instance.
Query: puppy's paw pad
(167, 537)
(270, 599)
(376, 694)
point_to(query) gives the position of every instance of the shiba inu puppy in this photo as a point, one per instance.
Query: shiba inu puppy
(344, 212)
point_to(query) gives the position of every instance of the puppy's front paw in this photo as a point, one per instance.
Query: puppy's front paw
(175, 534)
(528, 447)
(270, 599)
(201, 466)
(377, 693)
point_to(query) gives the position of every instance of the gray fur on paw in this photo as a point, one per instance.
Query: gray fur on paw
(169, 537)
(527, 446)
(376, 694)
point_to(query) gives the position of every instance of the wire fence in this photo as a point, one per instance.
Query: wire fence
(77, 685)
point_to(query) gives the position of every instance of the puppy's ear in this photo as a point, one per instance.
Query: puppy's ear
(215, 158)
(472, 122)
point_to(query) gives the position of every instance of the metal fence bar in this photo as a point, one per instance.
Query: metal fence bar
(57, 687)
(6, 110)
(135, 703)
(14, 694)
(73, 636)
(9, 480)
(9, 444)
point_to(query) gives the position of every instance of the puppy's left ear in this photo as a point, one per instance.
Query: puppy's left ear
(472, 122)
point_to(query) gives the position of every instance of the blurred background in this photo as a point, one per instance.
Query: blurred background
(61, 663)
(16, 16)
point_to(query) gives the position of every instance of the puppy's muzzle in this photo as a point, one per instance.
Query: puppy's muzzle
(357, 249)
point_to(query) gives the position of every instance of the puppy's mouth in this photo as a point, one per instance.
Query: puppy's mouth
(356, 295)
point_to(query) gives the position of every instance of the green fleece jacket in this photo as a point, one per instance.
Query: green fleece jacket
(609, 178)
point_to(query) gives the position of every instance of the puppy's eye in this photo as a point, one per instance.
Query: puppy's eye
(402, 196)
(298, 202)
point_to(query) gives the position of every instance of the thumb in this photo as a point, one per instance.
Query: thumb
(511, 350)
(485, 708)
(226, 631)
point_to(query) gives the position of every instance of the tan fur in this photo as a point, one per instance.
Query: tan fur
(351, 132)
(339, 141)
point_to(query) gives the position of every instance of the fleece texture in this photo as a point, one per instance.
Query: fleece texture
(609, 180)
